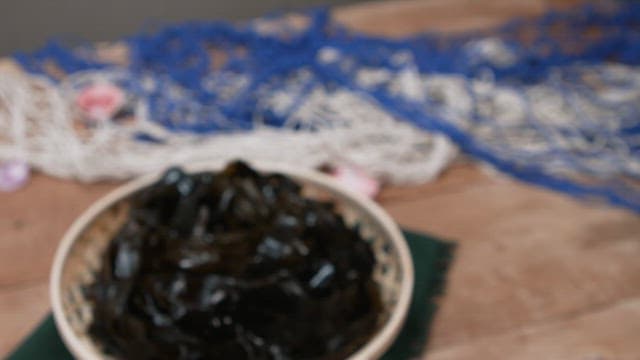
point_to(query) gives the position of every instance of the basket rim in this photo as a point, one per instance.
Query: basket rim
(374, 348)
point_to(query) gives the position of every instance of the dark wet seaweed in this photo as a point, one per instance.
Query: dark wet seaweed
(233, 265)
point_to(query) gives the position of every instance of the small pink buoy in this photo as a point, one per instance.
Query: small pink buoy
(356, 180)
(13, 175)
(100, 101)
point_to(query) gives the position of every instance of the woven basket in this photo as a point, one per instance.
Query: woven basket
(79, 255)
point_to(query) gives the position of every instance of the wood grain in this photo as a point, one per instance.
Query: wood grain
(401, 18)
(537, 275)
(32, 221)
(607, 333)
(526, 256)
(21, 308)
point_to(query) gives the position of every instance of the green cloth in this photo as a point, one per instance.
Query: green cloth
(431, 258)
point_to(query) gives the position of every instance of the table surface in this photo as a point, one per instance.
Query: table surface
(537, 275)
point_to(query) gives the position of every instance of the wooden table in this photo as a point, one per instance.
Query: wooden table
(537, 275)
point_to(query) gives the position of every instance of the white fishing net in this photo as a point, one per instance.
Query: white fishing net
(40, 123)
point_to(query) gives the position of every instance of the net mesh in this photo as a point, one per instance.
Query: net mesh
(552, 101)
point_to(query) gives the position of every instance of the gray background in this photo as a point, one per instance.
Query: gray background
(27, 24)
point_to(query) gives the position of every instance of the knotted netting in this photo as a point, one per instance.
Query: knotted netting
(552, 101)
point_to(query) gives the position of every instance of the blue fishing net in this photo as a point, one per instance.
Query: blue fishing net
(552, 101)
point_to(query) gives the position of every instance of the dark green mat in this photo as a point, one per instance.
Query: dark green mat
(431, 258)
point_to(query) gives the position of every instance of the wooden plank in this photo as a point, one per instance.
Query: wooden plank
(603, 334)
(21, 308)
(33, 220)
(401, 18)
(526, 256)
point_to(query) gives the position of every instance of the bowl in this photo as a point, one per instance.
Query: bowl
(79, 255)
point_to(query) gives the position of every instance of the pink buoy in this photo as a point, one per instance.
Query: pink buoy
(100, 101)
(356, 180)
(13, 175)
